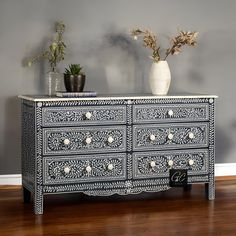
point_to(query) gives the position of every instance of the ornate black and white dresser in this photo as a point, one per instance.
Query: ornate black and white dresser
(116, 144)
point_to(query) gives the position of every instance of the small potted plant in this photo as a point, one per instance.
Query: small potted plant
(74, 78)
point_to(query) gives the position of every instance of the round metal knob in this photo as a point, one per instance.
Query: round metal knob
(110, 139)
(170, 113)
(191, 135)
(152, 164)
(170, 136)
(152, 137)
(67, 169)
(66, 141)
(88, 140)
(191, 162)
(110, 167)
(88, 115)
(170, 163)
(88, 169)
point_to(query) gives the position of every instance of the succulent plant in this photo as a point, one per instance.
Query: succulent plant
(74, 69)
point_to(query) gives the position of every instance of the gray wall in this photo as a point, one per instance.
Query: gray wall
(97, 37)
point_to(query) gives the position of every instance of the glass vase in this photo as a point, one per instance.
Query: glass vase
(53, 82)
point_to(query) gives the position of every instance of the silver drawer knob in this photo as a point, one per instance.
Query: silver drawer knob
(110, 167)
(88, 115)
(170, 113)
(191, 135)
(88, 140)
(66, 141)
(110, 139)
(88, 169)
(152, 164)
(67, 169)
(170, 163)
(152, 137)
(170, 136)
(191, 162)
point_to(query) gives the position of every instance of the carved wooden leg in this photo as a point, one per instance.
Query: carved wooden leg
(38, 201)
(26, 195)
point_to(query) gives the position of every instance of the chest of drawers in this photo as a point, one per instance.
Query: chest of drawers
(115, 145)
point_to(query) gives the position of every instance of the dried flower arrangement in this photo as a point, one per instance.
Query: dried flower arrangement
(150, 41)
(56, 51)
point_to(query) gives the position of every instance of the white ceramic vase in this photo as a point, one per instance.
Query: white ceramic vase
(159, 78)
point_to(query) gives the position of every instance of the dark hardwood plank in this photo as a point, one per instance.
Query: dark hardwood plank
(174, 212)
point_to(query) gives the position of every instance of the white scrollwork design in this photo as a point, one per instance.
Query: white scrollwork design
(130, 150)
(174, 112)
(174, 136)
(87, 139)
(84, 169)
(178, 160)
(53, 116)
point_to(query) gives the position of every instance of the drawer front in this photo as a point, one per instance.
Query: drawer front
(168, 113)
(157, 164)
(61, 170)
(84, 140)
(86, 115)
(170, 136)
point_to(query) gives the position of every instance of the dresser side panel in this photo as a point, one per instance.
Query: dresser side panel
(28, 144)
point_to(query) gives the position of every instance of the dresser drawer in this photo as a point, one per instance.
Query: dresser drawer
(170, 136)
(157, 164)
(81, 140)
(73, 169)
(85, 115)
(170, 113)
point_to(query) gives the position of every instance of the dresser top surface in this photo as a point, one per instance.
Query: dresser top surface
(37, 98)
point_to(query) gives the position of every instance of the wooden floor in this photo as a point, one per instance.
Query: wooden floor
(173, 212)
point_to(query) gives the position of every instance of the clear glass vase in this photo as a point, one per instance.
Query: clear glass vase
(53, 82)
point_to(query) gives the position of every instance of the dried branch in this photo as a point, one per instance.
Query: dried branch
(150, 41)
(184, 38)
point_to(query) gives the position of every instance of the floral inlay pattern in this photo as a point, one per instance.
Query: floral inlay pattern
(77, 140)
(74, 115)
(127, 154)
(180, 161)
(180, 136)
(186, 112)
(74, 169)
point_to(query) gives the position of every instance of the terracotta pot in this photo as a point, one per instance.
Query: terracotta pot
(74, 83)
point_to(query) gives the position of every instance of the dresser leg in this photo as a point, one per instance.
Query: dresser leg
(26, 195)
(38, 202)
(210, 190)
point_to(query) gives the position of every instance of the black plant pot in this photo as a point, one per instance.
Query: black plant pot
(74, 83)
